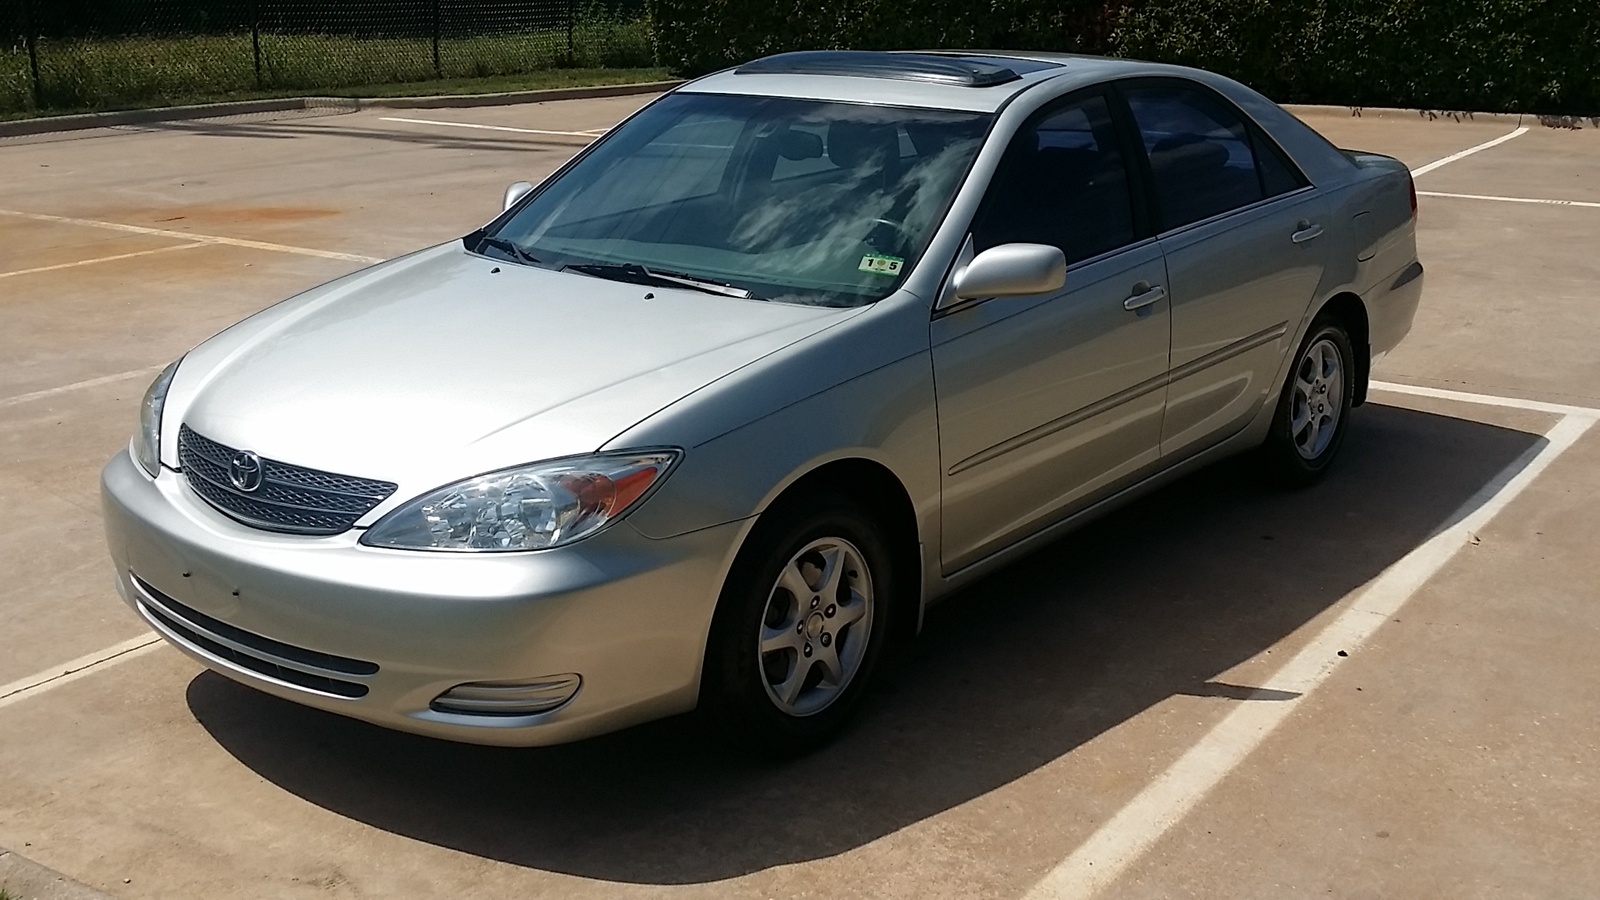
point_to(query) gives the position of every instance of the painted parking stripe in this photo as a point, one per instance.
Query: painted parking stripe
(66, 673)
(78, 385)
(582, 134)
(1509, 199)
(1469, 151)
(1559, 409)
(1164, 802)
(190, 236)
(100, 259)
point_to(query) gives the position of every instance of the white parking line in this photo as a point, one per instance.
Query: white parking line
(78, 385)
(99, 259)
(66, 673)
(1559, 409)
(190, 236)
(1136, 827)
(1468, 152)
(582, 134)
(1509, 199)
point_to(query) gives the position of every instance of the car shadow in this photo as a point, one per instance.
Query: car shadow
(1009, 674)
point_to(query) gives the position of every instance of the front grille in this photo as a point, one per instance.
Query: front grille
(262, 655)
(290, 498)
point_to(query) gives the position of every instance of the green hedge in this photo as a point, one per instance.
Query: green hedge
(698, 36)
(1491, 55)
(1525, 55)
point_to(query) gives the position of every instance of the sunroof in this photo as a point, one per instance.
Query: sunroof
(951, 70)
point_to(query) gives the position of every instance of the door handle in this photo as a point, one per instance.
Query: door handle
(1146, 296)
(1306, 231)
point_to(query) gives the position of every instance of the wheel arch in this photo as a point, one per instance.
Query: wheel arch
(887, 499)
(1351, 312)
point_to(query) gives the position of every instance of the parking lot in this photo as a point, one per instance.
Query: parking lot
(1382, 686)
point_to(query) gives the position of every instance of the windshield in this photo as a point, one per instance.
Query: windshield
(792, 200)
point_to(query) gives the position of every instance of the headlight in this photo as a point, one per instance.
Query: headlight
(147, 443)
(532, 507)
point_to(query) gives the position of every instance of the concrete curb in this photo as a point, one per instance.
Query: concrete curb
(1381, 112)
(27, 880)
(465, 100)
(51, 124)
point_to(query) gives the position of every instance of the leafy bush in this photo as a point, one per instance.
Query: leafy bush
(698, 36)
(1528, 55)
(1523, 55)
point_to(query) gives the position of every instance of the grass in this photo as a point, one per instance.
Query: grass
(7, 895)
(132, 72)
(542, 79)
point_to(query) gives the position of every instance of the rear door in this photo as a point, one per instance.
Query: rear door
(1240, 228)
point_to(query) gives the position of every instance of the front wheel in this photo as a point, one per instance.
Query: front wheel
(799, 628)
(1314, 408)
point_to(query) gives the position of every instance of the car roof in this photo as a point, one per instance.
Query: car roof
(972, 80)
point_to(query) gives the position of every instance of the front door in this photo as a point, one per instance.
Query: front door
(1047, 402)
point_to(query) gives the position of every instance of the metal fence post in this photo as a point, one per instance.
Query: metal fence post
(255, 37)
(572, 24)
(437, 72)
(31, 38)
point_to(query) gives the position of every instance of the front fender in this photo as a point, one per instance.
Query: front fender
(885, 415)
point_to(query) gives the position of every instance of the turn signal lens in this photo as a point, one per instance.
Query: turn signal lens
(147, 443)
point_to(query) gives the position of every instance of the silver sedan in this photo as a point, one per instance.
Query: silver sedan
(710, 416)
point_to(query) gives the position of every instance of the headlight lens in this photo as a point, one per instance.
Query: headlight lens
(531, 507)
(147, 443)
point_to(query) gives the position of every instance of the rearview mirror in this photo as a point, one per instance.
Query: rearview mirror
(798, 145)
(516, 192)
(1013, 270)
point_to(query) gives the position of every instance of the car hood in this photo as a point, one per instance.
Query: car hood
(443, 365)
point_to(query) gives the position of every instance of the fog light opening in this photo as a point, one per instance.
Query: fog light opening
(508, 698)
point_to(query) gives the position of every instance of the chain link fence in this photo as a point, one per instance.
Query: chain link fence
(86, 54)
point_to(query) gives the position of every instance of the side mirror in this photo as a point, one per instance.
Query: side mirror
(516, 192)
(1013, 270)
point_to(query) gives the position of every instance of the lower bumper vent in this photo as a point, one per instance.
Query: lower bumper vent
(296, 666)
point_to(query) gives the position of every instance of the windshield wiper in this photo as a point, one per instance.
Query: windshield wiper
(506, 246)
(637, 274)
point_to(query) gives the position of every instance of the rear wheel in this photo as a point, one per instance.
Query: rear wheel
(799, 628)
(1314, 408)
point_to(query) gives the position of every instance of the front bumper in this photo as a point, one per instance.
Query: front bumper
(388, 631)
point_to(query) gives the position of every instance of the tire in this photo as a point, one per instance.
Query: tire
(1313, 412)
(788, 660)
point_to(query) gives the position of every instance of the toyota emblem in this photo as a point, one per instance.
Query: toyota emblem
(244, 470)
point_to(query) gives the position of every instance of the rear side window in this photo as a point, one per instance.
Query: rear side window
(1063, 182)
(1202, 156)
(1278, 175)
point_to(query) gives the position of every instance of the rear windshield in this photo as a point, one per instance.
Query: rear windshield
(796, 201)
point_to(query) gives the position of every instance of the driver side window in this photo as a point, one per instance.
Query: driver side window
(1063, 182)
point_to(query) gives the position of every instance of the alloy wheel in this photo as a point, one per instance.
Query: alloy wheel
(816, 626)
(1318, 399)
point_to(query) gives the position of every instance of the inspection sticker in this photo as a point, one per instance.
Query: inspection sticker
(881, 265)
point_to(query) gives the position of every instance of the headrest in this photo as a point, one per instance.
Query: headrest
(1188, 154)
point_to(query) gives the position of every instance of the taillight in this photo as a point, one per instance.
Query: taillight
(1413, 185)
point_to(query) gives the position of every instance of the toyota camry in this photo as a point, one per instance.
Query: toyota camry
(706, 419)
